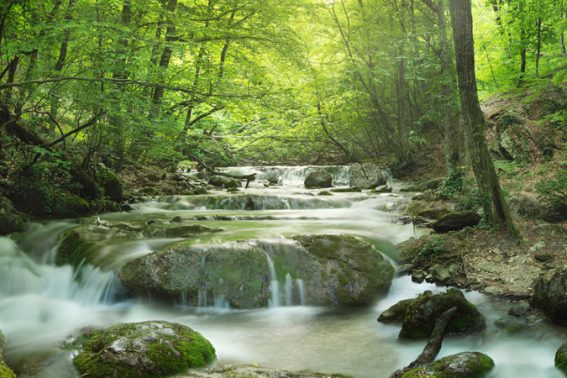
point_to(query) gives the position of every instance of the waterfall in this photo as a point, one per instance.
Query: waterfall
(288, 290)
(274, 284)
(301, 289)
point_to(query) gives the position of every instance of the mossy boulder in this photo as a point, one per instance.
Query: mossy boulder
(550, 294)
(111, 184)
(323, 270)
(147, 349)
(318, 179)
(456, 221)
(422, 186)
(561, 358)
(466, 364)
(10, 223)
(224, 182)
(418, 315)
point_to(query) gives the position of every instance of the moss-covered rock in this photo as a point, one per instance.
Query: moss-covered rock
(147, 349)
(550, 294)
(111, 184)
(332, 269)
(466, 364)
(224, 182)
(561, 358)
(418, 315)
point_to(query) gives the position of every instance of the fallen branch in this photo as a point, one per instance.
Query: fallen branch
(433, 345)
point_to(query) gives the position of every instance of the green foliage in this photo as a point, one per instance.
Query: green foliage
(453, 185)
(433, 246)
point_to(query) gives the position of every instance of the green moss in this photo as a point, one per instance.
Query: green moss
(149, 349)
(467, 364)
(5, 371)
(73, 249)
(561, 359)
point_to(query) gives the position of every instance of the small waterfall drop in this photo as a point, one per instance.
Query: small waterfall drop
(301, 289)
(288, 290)
(274, 284)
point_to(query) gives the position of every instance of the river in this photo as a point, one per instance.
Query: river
(42, 305)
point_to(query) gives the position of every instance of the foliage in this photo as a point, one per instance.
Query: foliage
(434, 245)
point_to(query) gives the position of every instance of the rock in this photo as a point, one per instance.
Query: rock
(367, 176)
(224, 182)
(442, 273)
(405, 268)
(519, 309)
(456, 221)
(319, 179)
(334, 269)
(395, 313)
(550, 294)
(418, 319)
(325, 193)
(110, 183)
(10, 223)
(561, 358)
(147, 349)
(255, 372)
(346, 190)
(418, 276)
(5, 371)
(383, 189)
(83, 242)
(176, 219)
(466, 364)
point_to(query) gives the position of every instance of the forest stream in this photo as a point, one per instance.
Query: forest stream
(42, 305)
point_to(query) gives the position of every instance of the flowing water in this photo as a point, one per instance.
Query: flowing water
(42, 306)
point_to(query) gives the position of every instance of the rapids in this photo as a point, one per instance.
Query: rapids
(42, 306)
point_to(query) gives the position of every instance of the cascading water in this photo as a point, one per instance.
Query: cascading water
(42, 304)
(274, 283)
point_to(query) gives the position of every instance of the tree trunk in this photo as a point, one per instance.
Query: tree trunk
(494, 206)
(452, 134)
(166, 53)
(538, 48)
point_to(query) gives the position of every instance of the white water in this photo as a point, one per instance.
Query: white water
(41, 304)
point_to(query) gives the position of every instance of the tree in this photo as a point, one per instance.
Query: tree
(493, 203)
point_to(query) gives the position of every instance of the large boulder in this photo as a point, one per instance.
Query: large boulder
(110, 183)
(561, 358)
(550, 294)
(367, 176)
(318, 179)
(456, 221)
(317, 270)
(418, 315)
(466, 364)
(147, 349)
(5, 371)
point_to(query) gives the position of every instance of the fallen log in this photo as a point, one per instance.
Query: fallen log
(433, 345)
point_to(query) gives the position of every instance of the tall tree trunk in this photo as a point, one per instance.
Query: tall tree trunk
(166, 54)
(402, 89)
(494, 206)
(538, 48)
(452, 134)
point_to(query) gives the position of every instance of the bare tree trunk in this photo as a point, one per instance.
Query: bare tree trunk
(538, 49)
(494, 206)
(451, 131)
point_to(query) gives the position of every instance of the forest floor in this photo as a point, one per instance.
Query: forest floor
(527, 137)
